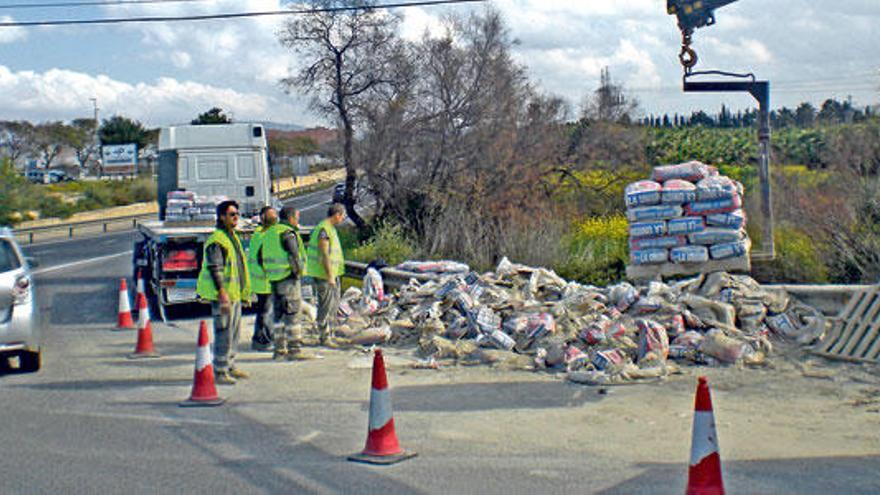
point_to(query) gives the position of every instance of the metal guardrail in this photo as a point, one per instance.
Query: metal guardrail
(72, 227)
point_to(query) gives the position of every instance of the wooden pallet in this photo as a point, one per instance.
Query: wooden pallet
(855, 335)
(650, 272)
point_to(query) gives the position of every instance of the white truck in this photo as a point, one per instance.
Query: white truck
(228, 160)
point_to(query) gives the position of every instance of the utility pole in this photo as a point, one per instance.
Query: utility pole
(97, 144)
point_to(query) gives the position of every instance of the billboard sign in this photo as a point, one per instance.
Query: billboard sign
(119, 158)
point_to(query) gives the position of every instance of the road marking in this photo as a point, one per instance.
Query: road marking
(78, 263)
(317, 205)
(307, 437)
(304, 196)
(141, 417)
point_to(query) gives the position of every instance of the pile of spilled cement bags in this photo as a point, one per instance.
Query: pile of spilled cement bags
(521, 317)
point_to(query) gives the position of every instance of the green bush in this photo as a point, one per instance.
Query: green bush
(388, 242)
(598, 251)
(798, 259)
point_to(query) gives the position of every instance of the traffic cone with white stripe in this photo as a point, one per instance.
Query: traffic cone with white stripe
(382, 445)
(144, 347)
(204, 391)
(140, 285)
(704, 475)
(123, 319)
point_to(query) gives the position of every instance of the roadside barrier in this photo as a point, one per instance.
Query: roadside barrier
(382, 446)
(144, 348)
(704, 474)
(204, 391)
(29, 233)
(123, 319)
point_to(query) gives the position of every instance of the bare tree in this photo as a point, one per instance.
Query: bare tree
(49, 140)
(82, 140)
(459, 153)
(16, 138)
(348, 56)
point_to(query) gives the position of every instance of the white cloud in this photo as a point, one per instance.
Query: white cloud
(744, 49)
(11, 34)
(417, 21)
(63, 94)
(181, 59)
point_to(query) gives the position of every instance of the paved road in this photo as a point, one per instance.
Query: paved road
(93, 421)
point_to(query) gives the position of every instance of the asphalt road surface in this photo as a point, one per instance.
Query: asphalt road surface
(92, 421)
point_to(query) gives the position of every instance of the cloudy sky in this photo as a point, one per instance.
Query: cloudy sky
(168, 73)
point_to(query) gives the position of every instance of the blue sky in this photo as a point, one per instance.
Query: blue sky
(168, 73)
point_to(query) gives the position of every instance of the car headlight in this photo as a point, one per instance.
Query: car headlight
(21, 291)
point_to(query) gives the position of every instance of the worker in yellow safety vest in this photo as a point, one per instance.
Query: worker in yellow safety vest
(264, 323)
(224, 280)
(283, 259)
(325, 263)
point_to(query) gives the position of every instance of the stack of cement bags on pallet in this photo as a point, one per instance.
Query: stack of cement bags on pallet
(187, 206)
(686, 214)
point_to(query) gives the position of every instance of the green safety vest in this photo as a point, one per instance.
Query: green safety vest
(205, 287)
(275, 257)
(314, 267)
(259, 282)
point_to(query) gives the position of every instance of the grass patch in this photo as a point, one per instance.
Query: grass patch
(598, 251)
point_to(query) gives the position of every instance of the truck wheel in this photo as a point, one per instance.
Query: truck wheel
(29, 362)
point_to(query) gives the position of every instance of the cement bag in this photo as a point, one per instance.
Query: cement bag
(678, 192)
(689, 254)
(718, 187)
(715, 235)
(657, 242)
(691, 171)
(444, 266)
(309, 310)
(653, 341)
(686, 225)
(648, 213)
(372, 336)
(726, 205)
(373, 286)
(724, 348)
(733, 220)
(622, 296)
(649, 256)
(729, 250)
(642, 193)
(647, 229)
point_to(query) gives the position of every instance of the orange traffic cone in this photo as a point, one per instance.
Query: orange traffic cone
(140, 285)
(144, 347)
(704, 475)
(123, 320)
(204, 392)
(382, 446)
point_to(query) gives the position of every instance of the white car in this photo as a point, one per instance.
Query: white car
(19, 324)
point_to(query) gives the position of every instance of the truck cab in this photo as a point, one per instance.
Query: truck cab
(228, 160)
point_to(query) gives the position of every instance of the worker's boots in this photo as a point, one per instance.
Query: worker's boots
(280, 352)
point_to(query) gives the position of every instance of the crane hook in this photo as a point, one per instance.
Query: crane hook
(687, 57)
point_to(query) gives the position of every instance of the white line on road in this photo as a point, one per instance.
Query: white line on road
(304, 196)
(81, 262)
(140, 417)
